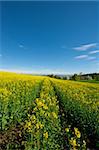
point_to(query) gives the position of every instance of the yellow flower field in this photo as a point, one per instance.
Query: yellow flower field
(40, 113)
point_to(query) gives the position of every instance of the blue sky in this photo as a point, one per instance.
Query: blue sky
(50, 37)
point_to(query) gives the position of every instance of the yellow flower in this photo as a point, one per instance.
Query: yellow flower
(41, 125)
(42, 112)
(54, 115)
(74, 148)
(33, 119)
(40, 104)
(46, 135)
(28, 126)
(67, 129)
(77, 133)
(37, 126)
(45, 107)
(35, 109)
(73, 142)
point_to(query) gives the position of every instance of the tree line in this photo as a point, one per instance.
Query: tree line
(77, 77)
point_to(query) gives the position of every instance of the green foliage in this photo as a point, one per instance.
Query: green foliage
(75, 77)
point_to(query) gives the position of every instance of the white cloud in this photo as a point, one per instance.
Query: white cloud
(85, 47)
(81, 57)
(94, 52)
(91, 58)
(22, 46)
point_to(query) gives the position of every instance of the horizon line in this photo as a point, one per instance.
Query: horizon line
(43, 73)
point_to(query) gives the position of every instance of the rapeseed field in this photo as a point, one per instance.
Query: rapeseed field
(41, 113)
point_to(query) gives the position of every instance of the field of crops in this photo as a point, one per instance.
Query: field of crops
(41, 113)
